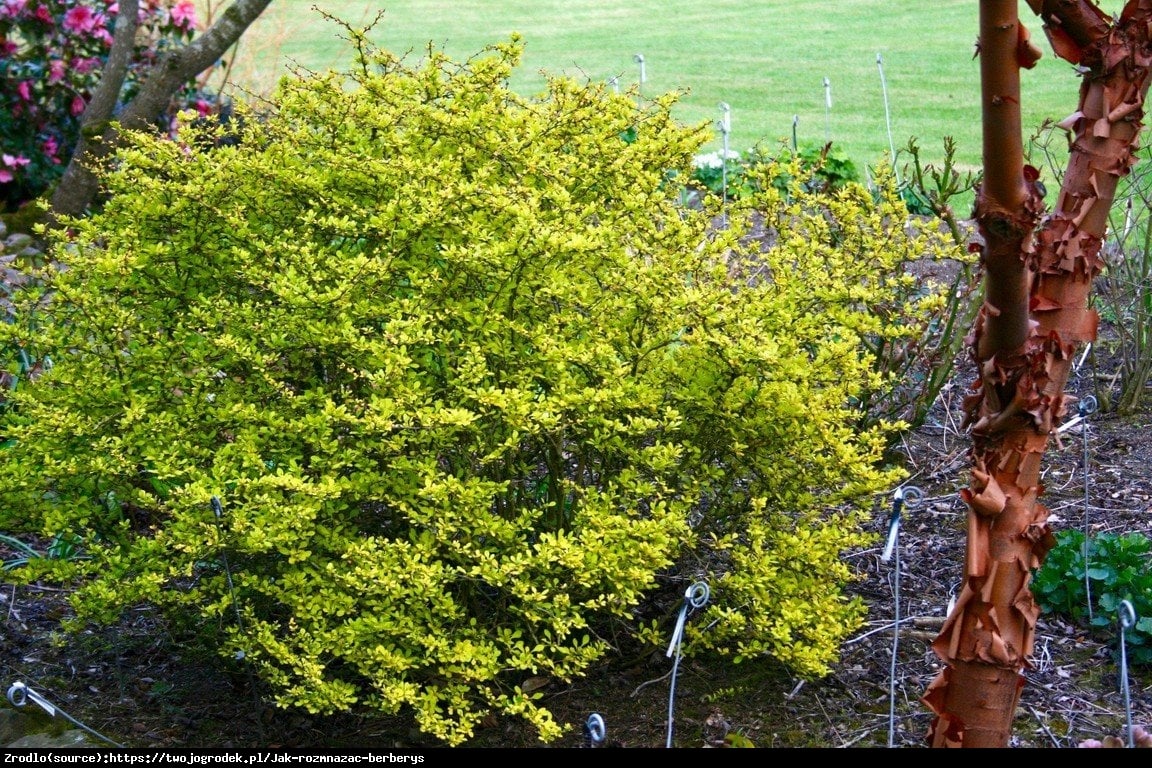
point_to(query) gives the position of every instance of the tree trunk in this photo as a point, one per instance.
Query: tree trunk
(100, 135)
(1035, 316)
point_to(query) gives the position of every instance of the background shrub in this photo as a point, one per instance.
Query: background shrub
(824, 169)
(474, 392)
(52, 55)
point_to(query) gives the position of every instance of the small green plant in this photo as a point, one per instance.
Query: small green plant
(61, 547)
(738, 741)
(826, 168)
(932, 189)
(1113, 568)
(831, 167)
(719, 173)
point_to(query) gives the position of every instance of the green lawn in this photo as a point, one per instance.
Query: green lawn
(766, 59)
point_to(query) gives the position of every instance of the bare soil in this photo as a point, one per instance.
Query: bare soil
(141, 687)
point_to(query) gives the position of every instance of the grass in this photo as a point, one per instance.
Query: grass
(767, 60)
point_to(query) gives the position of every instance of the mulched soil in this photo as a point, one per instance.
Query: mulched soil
(140, 687)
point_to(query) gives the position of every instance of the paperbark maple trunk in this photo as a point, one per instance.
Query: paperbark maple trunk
(1038, 275)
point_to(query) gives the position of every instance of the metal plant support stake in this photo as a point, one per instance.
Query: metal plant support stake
(905, 496)
(887, 115)
(827, 110)
(795, 123)
(725, 126)
(639, 59)
(1127, 621)
(20, 694)
(1086, 407)
(696, 596)
(218, 511)
(595, 731)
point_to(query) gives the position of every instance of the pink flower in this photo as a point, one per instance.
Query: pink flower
(204, 107)
(51, 149)
(24, 88)
(43, 14)
(7, 48)
(77, 106)
(85, 65)
(13, 8)
(184, 15)
(11, 161)
(80, 20)
(56, 70)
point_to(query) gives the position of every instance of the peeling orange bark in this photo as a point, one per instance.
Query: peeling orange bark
(1039, 271)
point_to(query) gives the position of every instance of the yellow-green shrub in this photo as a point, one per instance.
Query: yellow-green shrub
(467, 383)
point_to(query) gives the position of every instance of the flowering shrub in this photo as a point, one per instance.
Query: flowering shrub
(718, 171)
(51, 55)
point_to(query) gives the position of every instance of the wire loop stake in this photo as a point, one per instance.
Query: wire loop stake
(696, 596)
(887, 115)
(725, 126)
(827, 110)
(905, 496)
(594, 730)
(241, 654)
(218, 511)
(1127, 621)
(1084, 409)
(20, 694)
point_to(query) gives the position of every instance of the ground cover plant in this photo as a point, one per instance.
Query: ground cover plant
(420, 390)
(1088, 578)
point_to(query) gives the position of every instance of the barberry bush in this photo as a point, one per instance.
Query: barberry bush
(52, 53)
(420, 389)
